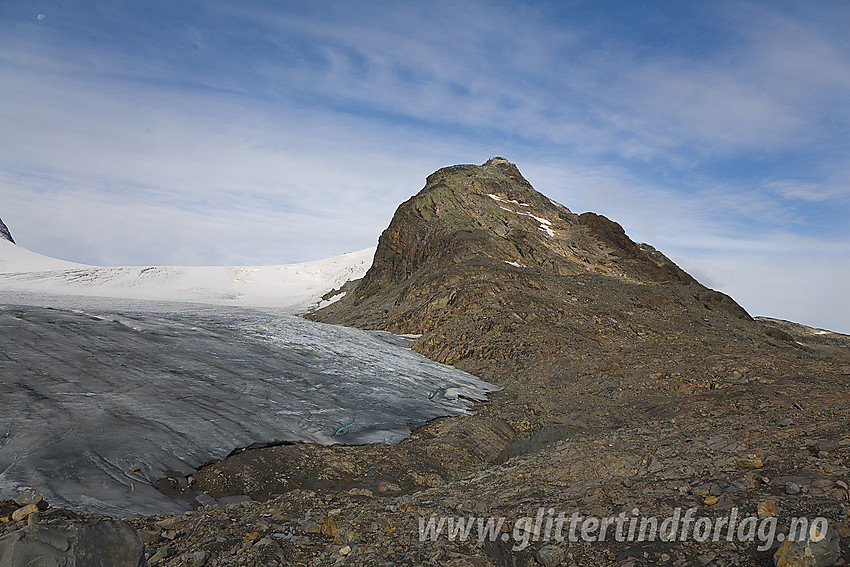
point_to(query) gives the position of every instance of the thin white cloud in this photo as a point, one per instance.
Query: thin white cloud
(802, 285)
(306, 151)
(526, 82)
(739, 242)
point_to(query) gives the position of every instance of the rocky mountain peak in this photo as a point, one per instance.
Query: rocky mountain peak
(4, 233)
(498, 160)
(492, 212)
(473, 233)
(507, 167)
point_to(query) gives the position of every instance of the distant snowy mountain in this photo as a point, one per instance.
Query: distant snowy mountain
(4, 233)
(295, 287)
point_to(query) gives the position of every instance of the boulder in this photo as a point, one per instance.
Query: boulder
(29, 497)
(820, 551)
(73, 544)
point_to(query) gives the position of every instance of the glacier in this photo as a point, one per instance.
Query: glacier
(103, 397)
(112, 378)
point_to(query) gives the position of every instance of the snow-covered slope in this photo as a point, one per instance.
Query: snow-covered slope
(295, 287)
(16, 259)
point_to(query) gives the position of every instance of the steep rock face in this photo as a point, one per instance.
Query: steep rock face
(479, 237)
(4, 232)
(491, 211)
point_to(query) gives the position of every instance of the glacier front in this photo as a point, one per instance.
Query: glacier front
(103, 397)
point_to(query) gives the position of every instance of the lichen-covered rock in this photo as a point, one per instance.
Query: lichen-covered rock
(550, 555)
(29, 497)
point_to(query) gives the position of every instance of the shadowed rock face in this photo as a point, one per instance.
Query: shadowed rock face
(4, 232)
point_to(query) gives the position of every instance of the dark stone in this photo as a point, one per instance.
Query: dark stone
(206, 500)
(73, 544)
(4, 233)
(778, 334)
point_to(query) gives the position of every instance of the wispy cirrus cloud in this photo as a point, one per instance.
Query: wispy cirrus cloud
(218, 133)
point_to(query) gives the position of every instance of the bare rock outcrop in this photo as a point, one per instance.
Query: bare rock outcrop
(4, 232)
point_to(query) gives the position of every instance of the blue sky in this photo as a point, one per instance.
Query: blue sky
(274, 132)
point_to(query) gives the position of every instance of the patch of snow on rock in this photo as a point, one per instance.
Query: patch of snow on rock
(544, 223)
(503, 200)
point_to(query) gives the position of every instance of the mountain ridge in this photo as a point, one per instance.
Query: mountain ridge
(486, 226)
(449, 200)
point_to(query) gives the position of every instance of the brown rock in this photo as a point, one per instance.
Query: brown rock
(313, 528)
(751, 461)
(22, 513)
(767, 509)
(329, 527)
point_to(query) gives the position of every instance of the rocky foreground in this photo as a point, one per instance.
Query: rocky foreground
(629, 392)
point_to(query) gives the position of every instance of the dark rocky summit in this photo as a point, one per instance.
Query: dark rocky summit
(479, 243)
(4, 232)
(626, 387)
(477, 233)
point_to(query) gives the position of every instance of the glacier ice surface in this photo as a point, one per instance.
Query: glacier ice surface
(93, 387)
